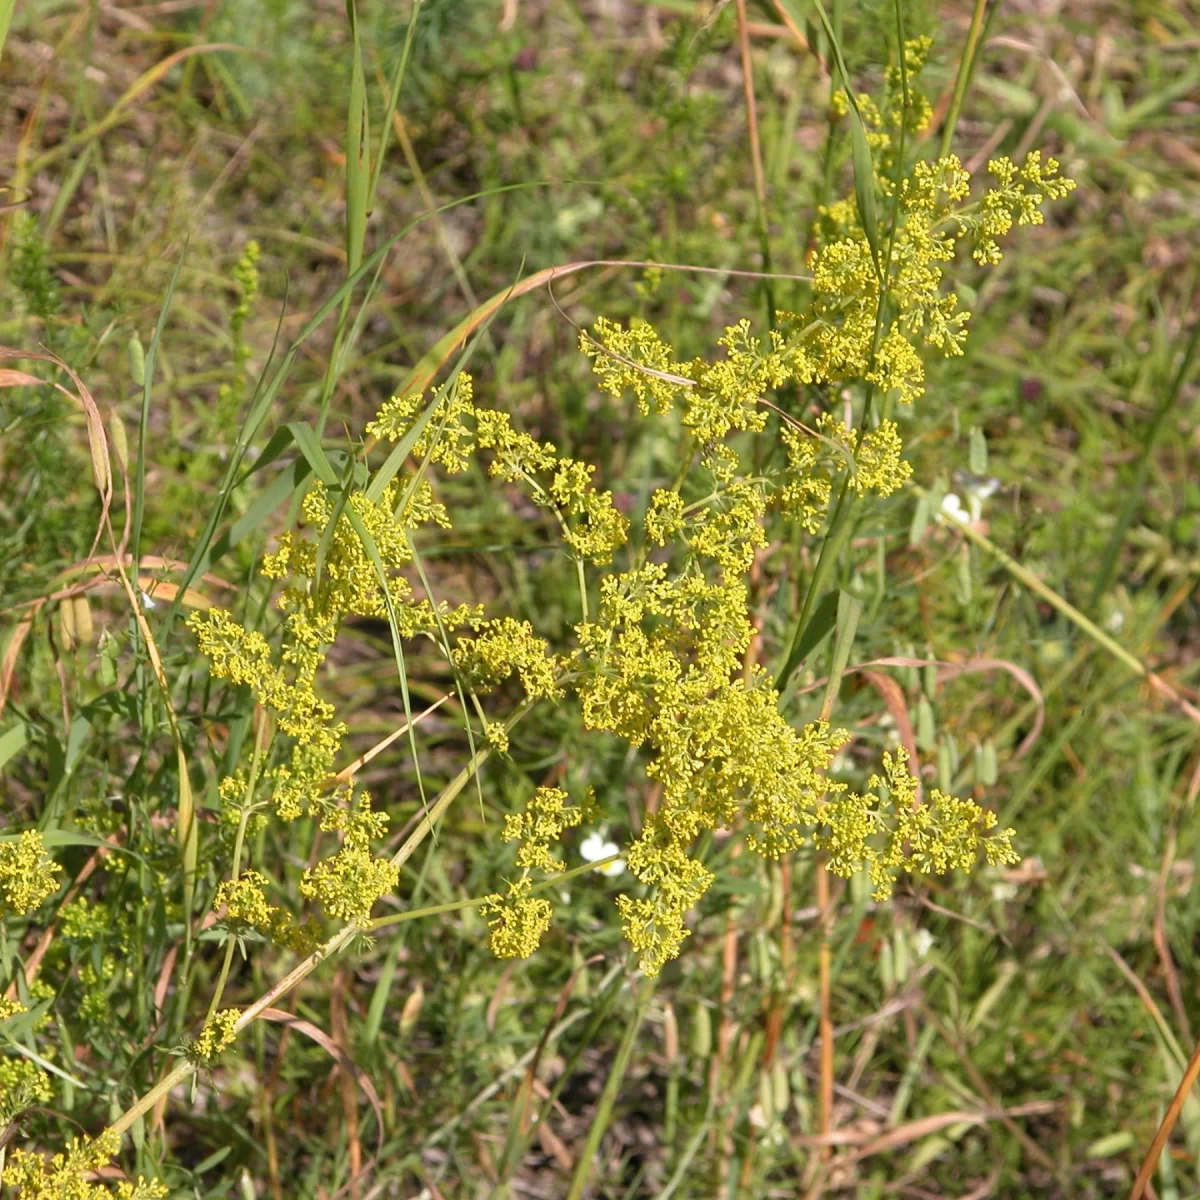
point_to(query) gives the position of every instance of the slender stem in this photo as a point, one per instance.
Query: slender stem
(760, 185)
(825, 1017)
(582, 577)
(966, 66)
(1168, 1123)
(608, 1097)
(434, 910)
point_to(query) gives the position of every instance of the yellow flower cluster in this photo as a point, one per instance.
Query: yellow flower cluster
(66, 1175)
(883, 122)
(888, 830)
(27, 874)
(217, 1034)
(660, 662)
(245, 903)
(517, 921)
(591, 525)
(334, 575)
(22, 1084)
(505, 646)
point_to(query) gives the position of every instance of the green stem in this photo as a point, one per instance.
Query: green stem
(1134, 495)
(612, 1086)
(434, 910)
(1047, 593)
(966, 67)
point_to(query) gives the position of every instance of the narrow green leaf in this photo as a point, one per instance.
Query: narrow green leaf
(864, 170)
(926, 726)
(308, 445)
(848, 611)
(393, 101)
(920, 521)
(330, 531)
(831, 548)
(358, 150)
(6, 12)
(814, 633)
(864, 184)
(612, 1085)
(253, 518)
(372, 551)
(139, 480)
(380, 996)
(1111, 1145)
(978, 452)
(11, 742)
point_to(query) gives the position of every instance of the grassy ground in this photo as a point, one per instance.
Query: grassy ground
(1013, 1033)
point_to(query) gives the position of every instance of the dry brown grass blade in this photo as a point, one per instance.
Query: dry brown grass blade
(341, 1038)
(947, 670)
(99, 565)
(1023, 677)
(790, 25)
(1170, 1118)
(341, 1057)
(12, 651)
(867, 1143)
(423, 374)
(97, 437)
(892, 695)
(346, 774)
(116, 114)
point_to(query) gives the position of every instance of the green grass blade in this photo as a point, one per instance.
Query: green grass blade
(372, 551)
(1134, 494)
(139, 479)
(358, 150)
(981, 16)
(6, 12)
(12, 741)
(270, 388)
(393, 101)
(849, 610)
(860, 151)
(612, 1085)
(810, 636)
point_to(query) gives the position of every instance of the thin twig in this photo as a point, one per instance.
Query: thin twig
(1168, 1123)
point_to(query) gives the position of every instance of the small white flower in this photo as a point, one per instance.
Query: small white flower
(1004, 892)
(596, 847)
(922, 942)
(1116, 621)
(147, 602)
(952, 507)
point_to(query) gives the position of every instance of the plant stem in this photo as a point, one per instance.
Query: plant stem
(966, 66)
(1047, 593)
(612, 1085)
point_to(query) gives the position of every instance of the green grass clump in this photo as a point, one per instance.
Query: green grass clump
(442, 762)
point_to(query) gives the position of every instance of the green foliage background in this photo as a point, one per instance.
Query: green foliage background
(1021, 1030)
